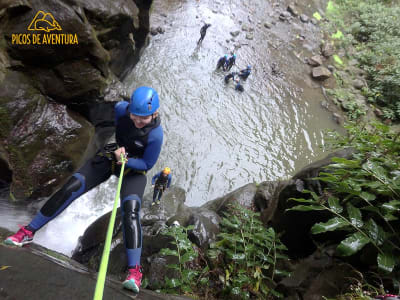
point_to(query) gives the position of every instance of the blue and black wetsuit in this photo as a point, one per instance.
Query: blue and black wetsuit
(143, 147)
(221, 63)
(231, 61)
(160, 182)
(244, 73)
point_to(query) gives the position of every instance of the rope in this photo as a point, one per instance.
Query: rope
(98, 294)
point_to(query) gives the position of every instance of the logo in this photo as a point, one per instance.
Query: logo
(44, 22)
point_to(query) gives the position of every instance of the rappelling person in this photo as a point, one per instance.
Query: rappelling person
(161, 181)
(139, 138)
(222, 62)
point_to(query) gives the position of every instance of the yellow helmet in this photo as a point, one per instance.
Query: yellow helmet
(167, 170)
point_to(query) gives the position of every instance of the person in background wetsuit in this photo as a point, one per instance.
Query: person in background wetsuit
(231, 61)
(230, 76)
(161, 181)
(239, 87)
(203, 32)
(139, 137)
(245, 73)
(222, 62)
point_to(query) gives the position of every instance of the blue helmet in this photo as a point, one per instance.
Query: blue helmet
(144, 101)
(249, 67)
(234, 55)
(226, 55)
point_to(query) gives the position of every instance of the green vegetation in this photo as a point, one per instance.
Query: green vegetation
(185, 254)
(362, 195)
(371, 28)
(242, 263)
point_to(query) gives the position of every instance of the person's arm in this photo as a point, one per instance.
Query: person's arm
(169, 180)
(151, 153)
(120, 110)
(153, 180)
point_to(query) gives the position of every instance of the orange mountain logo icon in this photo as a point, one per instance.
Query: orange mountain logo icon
(44, 21)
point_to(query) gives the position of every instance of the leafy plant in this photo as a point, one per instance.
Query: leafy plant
(248, 255)
(185, 254)
(362, 194)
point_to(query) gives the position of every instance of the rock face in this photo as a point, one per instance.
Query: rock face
(57, 57)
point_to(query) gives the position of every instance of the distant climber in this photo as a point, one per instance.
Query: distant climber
(239, 87)
(203, 32)
(161, 181)
(230, 76)
(222, 62)
(245, 73)
(231, 61)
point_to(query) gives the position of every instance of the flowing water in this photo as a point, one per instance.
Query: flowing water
(216, 139)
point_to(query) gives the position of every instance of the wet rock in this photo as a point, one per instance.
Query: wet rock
(314, 21)
(245, 28)
(235, 33)
(358, 84)
(153, 31)
(296, 225)
(378, 112)
(285, 16)
(321, 73)
(324, 104)
(292, 10)
(243, 196)
(158, 271)
(266, 198)
(206, 227)
(331, 68)
(267, 25)
(304, 18)
(327, 49)
(42, 150)
(337, 118)
(249, 36)
(317, 275)
(163, 15)
(387, 122)
(315, 61)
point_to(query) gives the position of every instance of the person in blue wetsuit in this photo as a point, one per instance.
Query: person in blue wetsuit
(231, 61)
(245, 73)
(222, 62)
(161, 181)
(139, 136)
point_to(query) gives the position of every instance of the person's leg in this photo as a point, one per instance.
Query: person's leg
(132, 190)
(155, 193)
(160, 194)
(94, 172)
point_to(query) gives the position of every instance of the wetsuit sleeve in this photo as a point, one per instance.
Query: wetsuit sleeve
(153, 180)
(151, 152)
(120, 110)
(169, 180)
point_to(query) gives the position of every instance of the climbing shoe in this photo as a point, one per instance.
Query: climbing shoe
(133, 281)
(158, 202)
(21, 238)
(153, 203)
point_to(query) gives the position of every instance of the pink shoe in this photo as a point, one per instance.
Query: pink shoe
(132, 282)
(21, 238)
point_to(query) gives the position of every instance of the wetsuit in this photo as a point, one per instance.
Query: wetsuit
(244, 73)
(143, 147)
(230, 63)
(230, 76)
(203, 32)
(239, 87)
(161, 183)
(221, 63)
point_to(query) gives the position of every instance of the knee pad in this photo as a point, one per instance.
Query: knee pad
(131, 221)
(69, 192)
